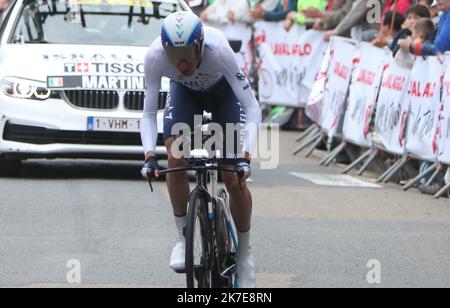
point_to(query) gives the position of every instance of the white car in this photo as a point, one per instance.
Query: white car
(72, 80)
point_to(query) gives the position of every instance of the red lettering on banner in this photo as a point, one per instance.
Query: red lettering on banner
(415, 88)
(428, 90)
(341, 70)
(366, 77)
(292, 50)
(447, 88)
(396, 83)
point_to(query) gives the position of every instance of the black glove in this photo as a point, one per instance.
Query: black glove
(243, 169)
(150, 166)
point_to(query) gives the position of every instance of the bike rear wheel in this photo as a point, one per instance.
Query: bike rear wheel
(198, 251)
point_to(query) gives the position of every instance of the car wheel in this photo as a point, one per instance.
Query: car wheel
(9, 167)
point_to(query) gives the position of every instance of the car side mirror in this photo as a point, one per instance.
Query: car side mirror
(236, 45)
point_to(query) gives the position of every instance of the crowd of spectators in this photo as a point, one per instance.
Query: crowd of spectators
(420, 27)
(417, 27)
(395, 26)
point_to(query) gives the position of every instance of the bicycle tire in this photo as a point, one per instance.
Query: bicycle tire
(197, 212)
(224, 245)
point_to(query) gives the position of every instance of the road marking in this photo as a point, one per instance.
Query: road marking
(334, 180)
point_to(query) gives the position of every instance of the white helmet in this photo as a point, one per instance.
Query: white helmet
(182, 37)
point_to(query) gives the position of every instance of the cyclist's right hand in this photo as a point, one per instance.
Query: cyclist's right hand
(150, 170)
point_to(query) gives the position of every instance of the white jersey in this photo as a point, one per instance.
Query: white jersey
(218, 61)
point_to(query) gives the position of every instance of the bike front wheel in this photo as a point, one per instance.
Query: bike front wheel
(198, 259)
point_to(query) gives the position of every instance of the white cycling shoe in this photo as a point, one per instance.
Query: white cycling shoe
(177, 262)
(246, 270)
(177, 258)
(245, 263)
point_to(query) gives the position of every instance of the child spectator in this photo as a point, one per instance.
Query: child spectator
(413, 14)
(442, 42)
(423, 33)
(386, 32)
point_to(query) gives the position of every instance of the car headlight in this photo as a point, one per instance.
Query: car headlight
(25, 88)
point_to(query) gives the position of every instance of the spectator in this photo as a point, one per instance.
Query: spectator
(329, 19)
(413, 14)
(298, 17)
(268, 5)
(278, 14)
(434, 12)
(356, 19)
(227, 11)
(402, 6)
(386, 32)
(423, 30)
(441, 43)
(426, 3)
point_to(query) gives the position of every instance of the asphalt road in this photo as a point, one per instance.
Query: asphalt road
(304, 234)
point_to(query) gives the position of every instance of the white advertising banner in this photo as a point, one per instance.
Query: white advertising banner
(393, 108)
(284, 59)
(238, 32)
(312, 63)
(443, 129)
(425, 97)
(316, 96)
(338, 81)
(364, 89)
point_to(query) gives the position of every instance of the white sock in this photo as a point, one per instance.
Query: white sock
(180, 223)
(243, 241)
(447, 176)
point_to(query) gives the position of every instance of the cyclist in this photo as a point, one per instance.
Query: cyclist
(204, 75)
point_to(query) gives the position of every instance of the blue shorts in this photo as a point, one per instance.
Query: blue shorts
(183, 104)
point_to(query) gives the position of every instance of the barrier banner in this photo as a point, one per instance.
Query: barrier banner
(283, 59)
(316, 96)
(238, 32)
(364, 89)
(338, 81)
(393, 108)
(425, 97)
(443, 129)
(312, 63)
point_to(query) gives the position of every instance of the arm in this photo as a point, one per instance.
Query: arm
(244, 94)
(332, 19)
(149, 130)
(354, 17)
(241, 12)
(215, 12)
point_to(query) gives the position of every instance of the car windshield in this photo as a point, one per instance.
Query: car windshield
(97, 22)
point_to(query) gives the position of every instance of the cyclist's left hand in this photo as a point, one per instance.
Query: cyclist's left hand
(243, 169)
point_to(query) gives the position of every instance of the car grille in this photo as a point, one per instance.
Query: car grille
(93, 99)
(107, 100)
(134, 100)
(42, 135)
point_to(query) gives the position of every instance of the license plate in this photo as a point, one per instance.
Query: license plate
(113, 124)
